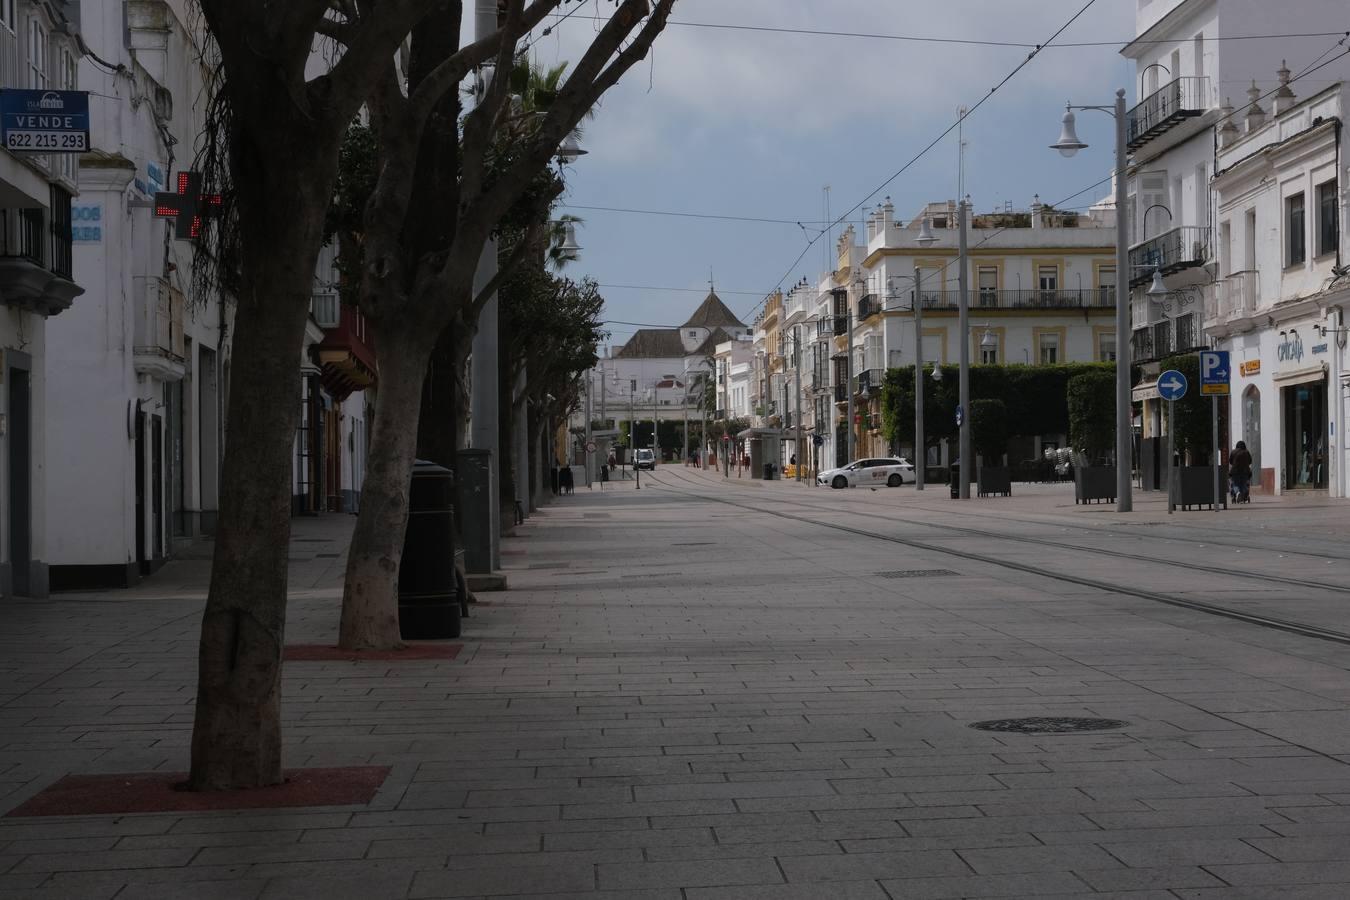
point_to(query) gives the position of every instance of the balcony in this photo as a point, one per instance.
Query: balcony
(1181, 248)
(1238, 294)
(840, 325)
(159, 348)
(1180, 99)
(869, 306)
(840, 393)
(1141, 345)
(1050, 298)
(1187, 335)
(35, 272)
(347, 354)
(870, 381)
(824, 328)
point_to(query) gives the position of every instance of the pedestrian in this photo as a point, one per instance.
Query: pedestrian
(696, 459)
(565, 479)
(1240, 473)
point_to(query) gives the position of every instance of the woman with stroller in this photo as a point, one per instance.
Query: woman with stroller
(1240, 473)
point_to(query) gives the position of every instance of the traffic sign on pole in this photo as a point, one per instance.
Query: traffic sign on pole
(1214, 373)
(1172, 385)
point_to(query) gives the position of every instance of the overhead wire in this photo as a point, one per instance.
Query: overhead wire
(933, 143)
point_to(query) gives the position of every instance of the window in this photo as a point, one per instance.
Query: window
(1106, 346)
(1186, 332)
(693, 333)
(1049, 349)
(37, 54)
(61, 262)
(1295, 239)
(1047, 278)
(988, 284)
(7, 17)
(989, 355)
(1326, 218)
(1106, 285)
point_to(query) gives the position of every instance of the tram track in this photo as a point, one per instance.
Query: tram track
(1276, 623)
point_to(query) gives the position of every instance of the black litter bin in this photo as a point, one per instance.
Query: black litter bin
(428, 592)
(956, 480)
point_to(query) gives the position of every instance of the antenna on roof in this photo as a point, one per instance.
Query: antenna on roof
(710, 281)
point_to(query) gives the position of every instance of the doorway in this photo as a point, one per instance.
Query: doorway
(20, 480)
(1305, 436)
(1251, 430)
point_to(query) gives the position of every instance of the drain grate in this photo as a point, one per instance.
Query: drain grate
(1048, 725)
(916, 573)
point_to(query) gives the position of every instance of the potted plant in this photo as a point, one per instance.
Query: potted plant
(989, 437)
(1092, 410)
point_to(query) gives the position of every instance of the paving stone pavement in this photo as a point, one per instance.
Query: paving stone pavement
(684, 698)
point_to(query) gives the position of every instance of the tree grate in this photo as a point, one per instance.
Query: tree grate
(916, 573)
(1048, 725)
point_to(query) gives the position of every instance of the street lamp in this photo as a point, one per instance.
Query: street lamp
(925, 239)
(1067, 145)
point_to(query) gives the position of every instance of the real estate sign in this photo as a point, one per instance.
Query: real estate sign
(44, 121)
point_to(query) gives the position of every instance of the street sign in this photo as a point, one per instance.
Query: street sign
(960, 416)
(1214, 373)
(818, 440)
(44, 121)
(590, 446)
(1171, 385)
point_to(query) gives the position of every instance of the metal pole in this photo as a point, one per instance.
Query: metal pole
(590, 476)
(848, 385)
(603, 417)
(1124, 429)
(797, 416)
(684, 434)
(963, 328)
(1215, 443)
(1171, 450)
(921, 456)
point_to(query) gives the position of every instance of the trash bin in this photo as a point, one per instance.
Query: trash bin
(956, 480)
(428, 592)
(768, 471)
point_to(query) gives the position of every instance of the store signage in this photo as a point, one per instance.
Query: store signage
(86, 223)
(1250, 367)
(1319, 348)
(1291, 348)
(44, 121)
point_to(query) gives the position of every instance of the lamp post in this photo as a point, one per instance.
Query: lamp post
(925, 239)
(963, 326)
(1069, 144)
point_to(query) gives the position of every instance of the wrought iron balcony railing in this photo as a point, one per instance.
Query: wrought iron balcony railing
(1171, 251)
(1026, 298)
(868, 306)
(1179, 99)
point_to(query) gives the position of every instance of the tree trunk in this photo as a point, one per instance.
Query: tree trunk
(370, 595)
(236, 735)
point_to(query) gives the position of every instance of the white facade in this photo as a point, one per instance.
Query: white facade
(38, 50)
(1281, 215)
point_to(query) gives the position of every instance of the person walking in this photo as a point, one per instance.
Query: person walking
(1240, 473)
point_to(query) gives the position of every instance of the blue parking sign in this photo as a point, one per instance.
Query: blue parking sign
(1214, 372)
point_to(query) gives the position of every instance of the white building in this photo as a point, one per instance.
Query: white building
(1282, 281)
(1189, 71)
(662, 364)
(39, 47)
(137, 366)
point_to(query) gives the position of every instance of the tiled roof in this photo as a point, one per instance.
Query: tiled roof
(709, 346)
(711, 313)
(653, 343)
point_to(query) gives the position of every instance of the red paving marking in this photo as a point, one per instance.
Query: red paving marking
(325, 653)
(86, 795)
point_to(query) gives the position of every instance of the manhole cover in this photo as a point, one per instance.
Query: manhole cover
(915, 573)
(1048, 725)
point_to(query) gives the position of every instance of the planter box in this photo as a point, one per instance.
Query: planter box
(1093, 483)
(994, 480)
(1195, 486)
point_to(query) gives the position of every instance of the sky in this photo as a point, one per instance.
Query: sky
(755, 124)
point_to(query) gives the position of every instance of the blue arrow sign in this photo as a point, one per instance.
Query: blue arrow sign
(960, 416)
(1171, 385)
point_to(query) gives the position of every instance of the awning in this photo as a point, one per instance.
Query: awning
(1145, 390)
(1304, 375)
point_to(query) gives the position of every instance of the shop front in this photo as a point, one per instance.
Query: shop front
(1301, 381)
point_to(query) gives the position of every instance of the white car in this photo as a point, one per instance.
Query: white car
(646, 459)
(892, 471)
